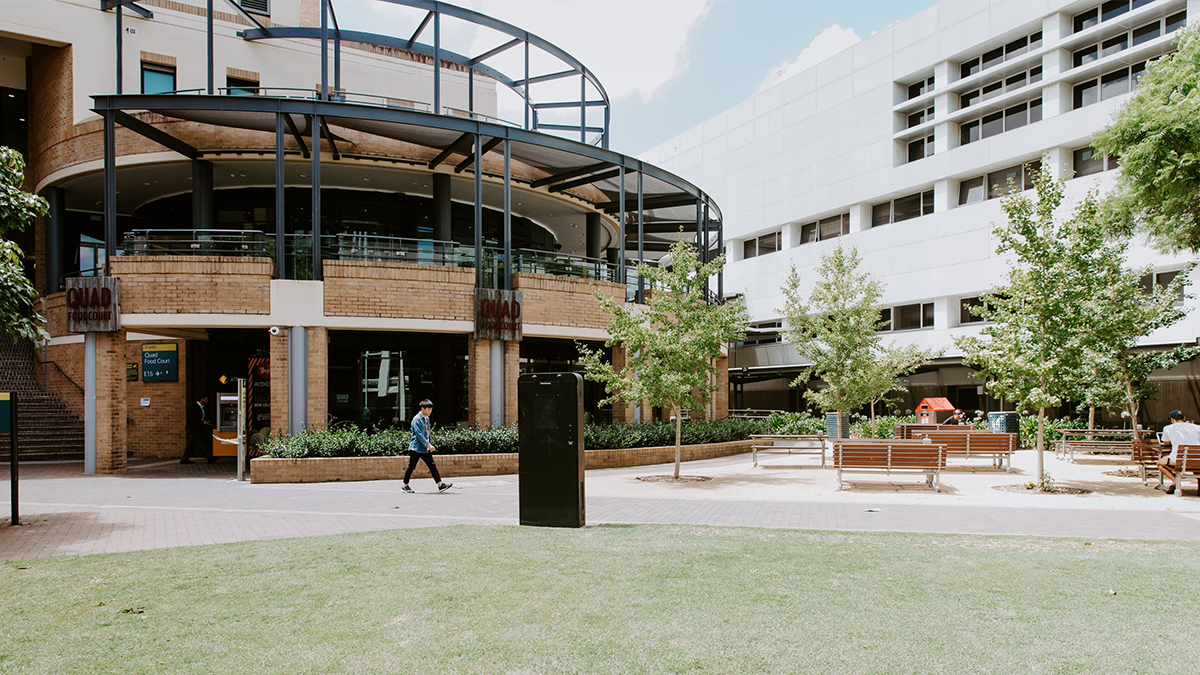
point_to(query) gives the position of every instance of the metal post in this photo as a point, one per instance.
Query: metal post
(606, 115)
(297, 379)
(120, 60)
(241, 422)
(721, 250)
(641, 294)
(582, 108)
(203, 209)
(621, 225)
(280, 235)
(700, 238)
(507, 215)
(316, 197)
(110, 192)
(496, 383)
(89, 403)
(210, 47)
(13, 459)
(337, 61)
(437, 62)
(471, 91)
(478, 214)
(706, 254)
(525, 86)
(324, 95)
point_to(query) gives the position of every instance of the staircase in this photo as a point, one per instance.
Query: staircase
(46, 428)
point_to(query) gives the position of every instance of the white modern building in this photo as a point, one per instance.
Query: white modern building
(891, 146)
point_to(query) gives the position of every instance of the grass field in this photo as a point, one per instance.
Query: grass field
(644, 599)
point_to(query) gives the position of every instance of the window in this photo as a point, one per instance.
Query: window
(1086, 20)
(922, 87)
(808, 233)
(920, 117)
(1113, 9)
(1086, 94)
(1112, 83)
(993, 58)
(965, 305)
(999, 55)
(907, 317)
(1087, 161)
(994, 89)
(236, 86)
(1136, 71)
(1114, 45)
(157, 79)
(1119, 43)
(256, 6)
(14, 119)
(902, 208)
(768, 243)
(1085, 55)
(968, 99)
(1016, 47)
(968, 68)
(826, 228)
(1163, 280)
(1013, 117)
(1146, 33)
(1176, 21)
(998, 183)
(920, 148)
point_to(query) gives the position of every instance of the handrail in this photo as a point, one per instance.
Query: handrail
(198, 242)
(60, 372)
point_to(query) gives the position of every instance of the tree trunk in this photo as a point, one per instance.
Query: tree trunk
(678, 437)
(1133, 408)
(1091, 418)
(841, 430)
(1041, 437)
(874, 431)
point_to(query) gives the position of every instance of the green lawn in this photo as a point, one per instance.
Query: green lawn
(644, 599)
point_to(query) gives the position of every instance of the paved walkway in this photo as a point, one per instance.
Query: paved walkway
(162, 504)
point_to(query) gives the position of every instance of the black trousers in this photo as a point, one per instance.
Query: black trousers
(427, 457)
(195, 446)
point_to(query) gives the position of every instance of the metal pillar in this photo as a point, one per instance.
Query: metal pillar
(442, 220)
(592, 234)
(507, 215)
(110, 192)
(478, 214)
(203, 211)
(525, 84)
(89, 403)
(120, 60)
(721, 249)
(317, 274)
(471, 91)
(641, 294)
(606, 115)
(705, 254)
(621, 225)
(324, 57)
(280, 220)
(582, 108)
(56, 198)
(297, 379)
(337, 61)
(437, 63)
(209, 17)
(496, 383)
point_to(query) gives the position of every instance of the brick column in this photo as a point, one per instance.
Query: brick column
(478, 382)
(721, 396)
(279, 383)
(110, 402)
(318, 377)
(512, 370)
(622, 412)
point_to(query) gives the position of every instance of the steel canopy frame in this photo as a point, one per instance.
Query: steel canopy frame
(434, 11)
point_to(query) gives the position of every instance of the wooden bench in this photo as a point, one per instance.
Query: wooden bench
(792, 444)
(906, 430)
(1096, 447)
(976, 443)
(1146, 454)
(890, 456)
(1187, 465)
(1087, 440)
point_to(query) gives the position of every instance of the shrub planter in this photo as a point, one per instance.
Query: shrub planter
(327, 469)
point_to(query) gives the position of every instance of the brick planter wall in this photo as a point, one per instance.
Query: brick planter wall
(326, 469)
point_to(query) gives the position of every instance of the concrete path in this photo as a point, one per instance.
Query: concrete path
(162, 504)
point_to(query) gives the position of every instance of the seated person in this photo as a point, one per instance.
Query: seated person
(1175, 434)
(956, 418)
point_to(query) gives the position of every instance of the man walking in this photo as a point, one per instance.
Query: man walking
(420, 448)
(1175, 434)
(199, 430)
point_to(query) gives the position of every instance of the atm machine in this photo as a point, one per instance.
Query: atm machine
(227, 425)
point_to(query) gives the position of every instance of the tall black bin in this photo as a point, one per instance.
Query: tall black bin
(550, 441)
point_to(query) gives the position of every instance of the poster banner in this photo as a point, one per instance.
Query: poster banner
(258, 395)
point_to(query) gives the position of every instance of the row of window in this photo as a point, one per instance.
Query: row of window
(767, 243)
(919, 88)
(1013, 117)
(1122, 41)
(1000, 54)
(920, 148)
(906, 317)
(1087, 161)
(1108, 85)
(994, 89)
(998, 183)
(825, 229)
(920, 117)
(902, 208)
(160, 79)
(1106, 12)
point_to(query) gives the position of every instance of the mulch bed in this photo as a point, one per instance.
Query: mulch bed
(1058, 490)
(1124, 473)
(672, 479)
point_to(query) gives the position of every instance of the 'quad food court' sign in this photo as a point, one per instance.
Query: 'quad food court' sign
(93, 304)
(497, 314)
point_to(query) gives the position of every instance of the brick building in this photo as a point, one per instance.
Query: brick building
(316, 209)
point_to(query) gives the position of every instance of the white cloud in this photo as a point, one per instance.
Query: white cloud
(829, 42)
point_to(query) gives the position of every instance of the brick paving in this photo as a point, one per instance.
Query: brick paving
(162, 504)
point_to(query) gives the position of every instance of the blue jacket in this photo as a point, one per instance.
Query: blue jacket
(420, 434)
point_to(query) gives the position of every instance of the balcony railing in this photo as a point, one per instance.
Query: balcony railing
(247, 243)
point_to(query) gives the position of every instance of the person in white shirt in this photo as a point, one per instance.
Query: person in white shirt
(1175, 434)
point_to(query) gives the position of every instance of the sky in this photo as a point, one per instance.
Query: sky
(667, 65)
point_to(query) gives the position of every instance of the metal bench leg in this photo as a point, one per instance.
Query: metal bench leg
(754, 454)
(839, 478)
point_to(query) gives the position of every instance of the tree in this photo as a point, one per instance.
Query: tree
(1156, 135)
(672, 343)
(836, 329)
(17, 209)
(1030, 354)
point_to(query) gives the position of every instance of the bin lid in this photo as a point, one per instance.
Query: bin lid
(936, 404)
